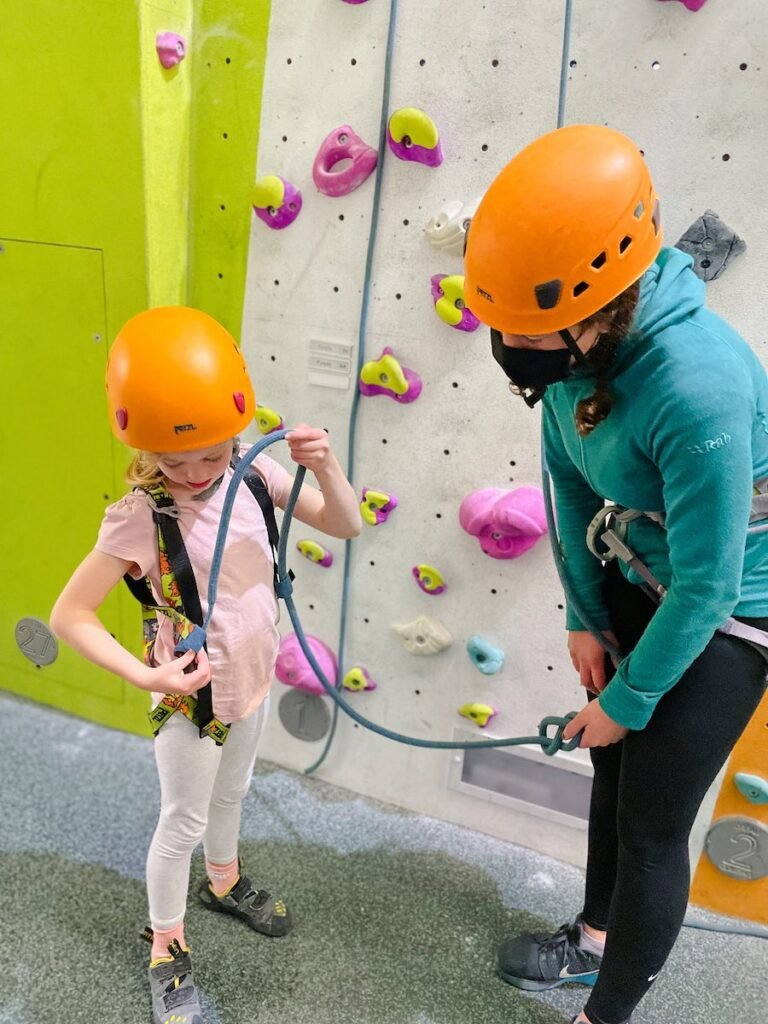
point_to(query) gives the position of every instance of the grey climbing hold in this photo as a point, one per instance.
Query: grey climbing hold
(304, 715)
(739, 848)
(36, 641)
(712, 244)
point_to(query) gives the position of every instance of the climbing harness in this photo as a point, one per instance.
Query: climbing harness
(606, 539)
(182, 607)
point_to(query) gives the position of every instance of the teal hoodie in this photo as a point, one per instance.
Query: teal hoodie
(687, 435)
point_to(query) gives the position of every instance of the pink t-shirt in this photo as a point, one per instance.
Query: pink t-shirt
(243, 636)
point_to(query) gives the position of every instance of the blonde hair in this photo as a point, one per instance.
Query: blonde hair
(144, 471)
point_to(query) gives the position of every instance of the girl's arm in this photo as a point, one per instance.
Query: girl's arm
(75, 621)
(334, 509)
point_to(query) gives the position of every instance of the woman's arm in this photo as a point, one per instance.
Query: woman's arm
(75, 621)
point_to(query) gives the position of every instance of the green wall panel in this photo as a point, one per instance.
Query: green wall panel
(122, 185)
(72, 208)
(60, 460)
(230, 54)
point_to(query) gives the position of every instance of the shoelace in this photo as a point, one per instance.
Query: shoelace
(561, 938)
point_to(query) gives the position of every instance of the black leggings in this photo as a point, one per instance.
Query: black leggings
(646, 794)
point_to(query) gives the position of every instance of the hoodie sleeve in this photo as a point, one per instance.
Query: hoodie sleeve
(701, 442)
(576, 505)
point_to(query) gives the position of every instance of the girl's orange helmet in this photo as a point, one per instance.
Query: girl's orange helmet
(177, 381)
(570, 223)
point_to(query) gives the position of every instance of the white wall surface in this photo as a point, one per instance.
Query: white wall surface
(488, 74)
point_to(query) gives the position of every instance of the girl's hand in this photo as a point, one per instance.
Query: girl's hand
(310, 448)
(588, 657)
(599, 729)
(170, 678)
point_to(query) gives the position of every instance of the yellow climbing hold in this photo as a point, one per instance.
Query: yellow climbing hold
(450, 307)
(268, 191)
(418, 126)
(480, 714)
(267, 420)
(385, 373)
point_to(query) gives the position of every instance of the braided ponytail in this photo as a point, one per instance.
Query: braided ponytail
(618, 314)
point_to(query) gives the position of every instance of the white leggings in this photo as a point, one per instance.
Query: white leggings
(201, 791)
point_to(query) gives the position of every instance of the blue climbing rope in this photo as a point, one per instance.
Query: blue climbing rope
(550, 741)
(361, 346)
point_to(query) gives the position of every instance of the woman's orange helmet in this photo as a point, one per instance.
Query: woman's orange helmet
(570, 223)
(177, 381)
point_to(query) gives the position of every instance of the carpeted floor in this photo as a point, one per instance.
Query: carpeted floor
(397, 916)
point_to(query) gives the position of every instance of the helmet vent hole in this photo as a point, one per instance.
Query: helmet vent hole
(580, 288)
(657, 217)
(639, 210)
(624, 244)
(599, 261)
(548, 294)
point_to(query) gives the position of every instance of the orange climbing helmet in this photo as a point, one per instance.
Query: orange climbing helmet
(177, 381)
(570, 223)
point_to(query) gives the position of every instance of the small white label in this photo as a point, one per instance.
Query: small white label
(330, 364)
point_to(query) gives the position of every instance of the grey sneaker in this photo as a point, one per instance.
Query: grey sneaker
(174, 996)
(259, 909)
(538, 962)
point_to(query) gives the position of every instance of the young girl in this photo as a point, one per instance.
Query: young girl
(179, 392)
(654, 404)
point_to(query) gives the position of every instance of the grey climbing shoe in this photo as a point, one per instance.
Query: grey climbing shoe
(174, 996)
(538, 962)
(259, 909)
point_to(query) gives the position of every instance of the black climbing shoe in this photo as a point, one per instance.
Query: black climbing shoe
(261, 911)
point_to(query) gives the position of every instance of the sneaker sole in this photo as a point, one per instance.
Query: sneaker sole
(529, 985)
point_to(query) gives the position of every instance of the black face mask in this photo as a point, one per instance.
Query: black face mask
(531, 369)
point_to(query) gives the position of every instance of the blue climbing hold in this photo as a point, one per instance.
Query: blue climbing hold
(753, 787)
(484, 656)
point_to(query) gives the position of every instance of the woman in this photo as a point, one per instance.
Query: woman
(649, 402)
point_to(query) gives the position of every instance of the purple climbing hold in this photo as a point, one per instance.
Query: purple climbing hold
(339, 146)
(506, 523)
(171, 48)
(450, 304)
(294, 669)
(692, 5)
(276, 201)
(386, 376)
(412, 135)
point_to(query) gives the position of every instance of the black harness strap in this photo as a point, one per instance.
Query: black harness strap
(184, 573)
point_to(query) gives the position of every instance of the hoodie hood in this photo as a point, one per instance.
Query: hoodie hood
(670, 292)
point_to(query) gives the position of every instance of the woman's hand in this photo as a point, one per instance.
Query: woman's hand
(588, 657)
(170, 678)
(599, 729)
(310, 448)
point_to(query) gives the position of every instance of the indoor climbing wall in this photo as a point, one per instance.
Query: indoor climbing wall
(442, 426)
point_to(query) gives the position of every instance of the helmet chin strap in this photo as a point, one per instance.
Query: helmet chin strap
(573, 348)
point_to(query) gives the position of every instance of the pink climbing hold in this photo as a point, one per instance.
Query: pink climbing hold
(506, 523)
(692, 5)
(339, 146)
(171, 49)
(294, 669)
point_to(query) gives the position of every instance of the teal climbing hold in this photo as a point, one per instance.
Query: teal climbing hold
(753, 787)
(484, 656)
